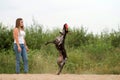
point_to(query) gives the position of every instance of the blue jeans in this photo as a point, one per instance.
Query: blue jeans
(23, 53)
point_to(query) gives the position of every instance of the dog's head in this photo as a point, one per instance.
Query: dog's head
(65, 27)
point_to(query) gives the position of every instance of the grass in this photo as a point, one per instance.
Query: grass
(87, 53)
(78, 62)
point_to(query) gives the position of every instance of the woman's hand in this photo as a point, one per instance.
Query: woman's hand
(19, 49)
(27, 48)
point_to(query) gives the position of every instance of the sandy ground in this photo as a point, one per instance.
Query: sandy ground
(57, 77)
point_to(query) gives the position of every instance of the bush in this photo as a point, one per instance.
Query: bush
(87, 53)
(5, 37)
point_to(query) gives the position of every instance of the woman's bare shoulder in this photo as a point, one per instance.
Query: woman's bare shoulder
(15, 29)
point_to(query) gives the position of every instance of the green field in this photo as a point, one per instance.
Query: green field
(88, 53)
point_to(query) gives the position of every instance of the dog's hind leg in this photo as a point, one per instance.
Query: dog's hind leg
(59, 60)
(61, 65)
(60, 68)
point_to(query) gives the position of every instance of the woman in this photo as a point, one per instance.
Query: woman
(20, 46)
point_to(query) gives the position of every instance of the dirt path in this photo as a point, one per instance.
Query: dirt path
(57, 77)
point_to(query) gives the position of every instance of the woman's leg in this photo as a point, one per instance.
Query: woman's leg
(18, 54)
(25, 59)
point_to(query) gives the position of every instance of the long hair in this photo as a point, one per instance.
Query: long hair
(17, 25)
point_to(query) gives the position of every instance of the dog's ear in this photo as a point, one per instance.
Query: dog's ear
(61, 33)
(68, 32)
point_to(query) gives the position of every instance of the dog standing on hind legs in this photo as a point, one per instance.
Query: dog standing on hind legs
(59, 43)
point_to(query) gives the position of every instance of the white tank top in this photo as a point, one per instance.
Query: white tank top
(21, 36)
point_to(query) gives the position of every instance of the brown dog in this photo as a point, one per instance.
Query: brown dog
(59, 43)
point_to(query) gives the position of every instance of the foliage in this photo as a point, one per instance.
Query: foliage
(87, 52)
(5, 37)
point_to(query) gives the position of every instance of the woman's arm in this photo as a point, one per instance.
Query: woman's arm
(15, 36)
(25, 45)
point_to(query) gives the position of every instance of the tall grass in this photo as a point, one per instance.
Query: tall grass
(87, 53)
